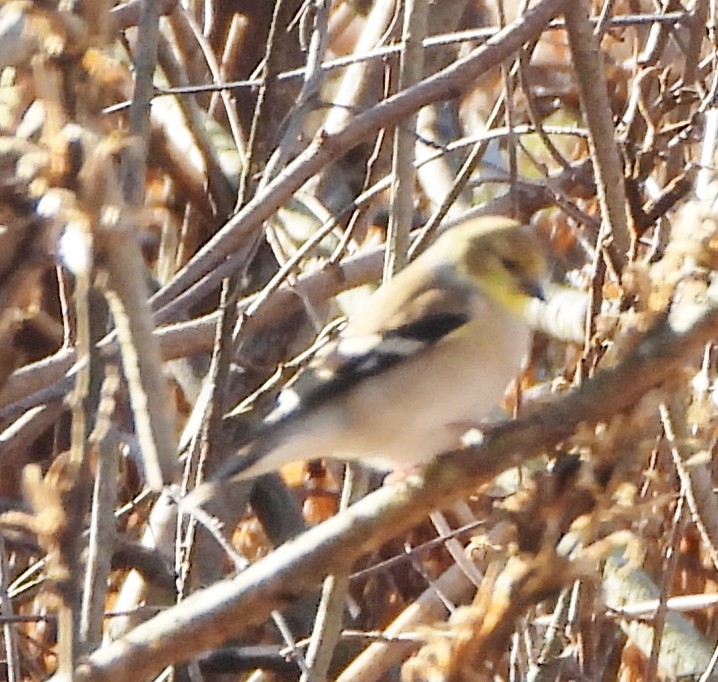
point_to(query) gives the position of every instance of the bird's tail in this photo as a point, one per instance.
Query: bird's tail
(247, 465)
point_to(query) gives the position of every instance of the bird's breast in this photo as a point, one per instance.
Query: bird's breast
(417, 410)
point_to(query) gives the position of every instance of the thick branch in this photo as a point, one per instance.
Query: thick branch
(211, 616)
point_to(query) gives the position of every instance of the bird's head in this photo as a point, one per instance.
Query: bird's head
(502, 257)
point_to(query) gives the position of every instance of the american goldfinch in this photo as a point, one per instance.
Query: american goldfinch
(427, 357)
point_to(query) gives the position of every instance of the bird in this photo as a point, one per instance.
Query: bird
(427, 357)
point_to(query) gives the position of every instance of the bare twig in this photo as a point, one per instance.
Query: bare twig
(402, 210)
(608, 168)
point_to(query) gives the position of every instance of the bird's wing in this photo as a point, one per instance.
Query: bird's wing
(390, 331)
(399, 332)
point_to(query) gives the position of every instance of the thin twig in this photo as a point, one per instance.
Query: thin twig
(434, 41)
(411, 67)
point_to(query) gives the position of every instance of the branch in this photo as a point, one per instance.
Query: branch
(211, 616)
(327, 147)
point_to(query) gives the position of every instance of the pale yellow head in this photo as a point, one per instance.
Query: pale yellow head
(501, 256)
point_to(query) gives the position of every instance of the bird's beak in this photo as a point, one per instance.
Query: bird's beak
(533, 288)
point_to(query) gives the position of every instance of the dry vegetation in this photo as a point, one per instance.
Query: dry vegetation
(210, 238)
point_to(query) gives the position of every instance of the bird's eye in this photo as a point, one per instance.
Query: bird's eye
(510, 264)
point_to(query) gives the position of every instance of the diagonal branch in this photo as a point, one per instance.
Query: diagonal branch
(327, 147)
(209, 617)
